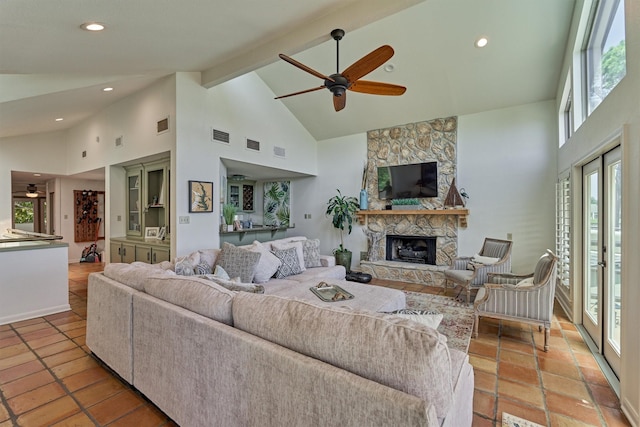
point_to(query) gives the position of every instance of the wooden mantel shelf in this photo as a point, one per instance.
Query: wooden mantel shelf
(460, 212)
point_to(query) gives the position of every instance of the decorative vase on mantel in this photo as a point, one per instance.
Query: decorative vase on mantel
(364, 200)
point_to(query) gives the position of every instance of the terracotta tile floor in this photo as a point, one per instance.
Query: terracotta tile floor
(49, 378)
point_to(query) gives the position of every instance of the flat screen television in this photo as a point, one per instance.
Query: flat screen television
(408, 181)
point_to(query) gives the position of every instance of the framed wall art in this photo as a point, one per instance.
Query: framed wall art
(200, 196)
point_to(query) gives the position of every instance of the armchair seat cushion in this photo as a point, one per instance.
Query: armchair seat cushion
(459, 275)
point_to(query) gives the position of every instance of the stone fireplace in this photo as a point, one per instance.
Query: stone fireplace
(433, 140)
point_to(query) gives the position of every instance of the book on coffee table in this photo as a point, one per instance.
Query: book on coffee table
(330, 293)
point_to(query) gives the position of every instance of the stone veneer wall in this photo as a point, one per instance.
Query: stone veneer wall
(414, 143)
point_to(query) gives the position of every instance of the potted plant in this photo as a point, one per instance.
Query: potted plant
(405, 204)
(342, 210)
(229, 213)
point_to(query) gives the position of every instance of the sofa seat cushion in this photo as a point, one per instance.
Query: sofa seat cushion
(408, 356)
(367, 297)
(135, 274)
(194, 294)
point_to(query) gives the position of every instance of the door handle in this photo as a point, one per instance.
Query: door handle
(602, 264)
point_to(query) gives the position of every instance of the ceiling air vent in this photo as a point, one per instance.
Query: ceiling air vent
(252, 144)
(119, 141)
(220, 136)
(279, 152)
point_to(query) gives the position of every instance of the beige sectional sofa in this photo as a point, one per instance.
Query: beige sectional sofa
(206, 355)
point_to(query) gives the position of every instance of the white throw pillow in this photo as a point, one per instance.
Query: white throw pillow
(525, 283)
(484, 259)
(277, 246)
(268, 264)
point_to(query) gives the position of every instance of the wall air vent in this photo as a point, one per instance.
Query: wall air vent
(220, 136)
(252, 144)
(279, 152)
(119, 141)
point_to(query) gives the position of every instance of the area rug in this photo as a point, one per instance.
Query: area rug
(509, 420)
(457, 317)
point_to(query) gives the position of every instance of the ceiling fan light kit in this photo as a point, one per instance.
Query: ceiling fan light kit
(349, 79)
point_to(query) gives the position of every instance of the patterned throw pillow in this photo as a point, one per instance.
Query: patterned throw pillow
(311, 252)
(238, 262)
(202, 268)
(278, 246)
(290, 264)
(184, 265)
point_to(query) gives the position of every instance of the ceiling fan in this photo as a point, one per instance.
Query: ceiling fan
(32, 192)
(349, 79)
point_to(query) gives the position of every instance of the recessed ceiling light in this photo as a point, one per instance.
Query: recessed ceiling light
(59, 119)
(92, 26)
(37, 174)
(107, 89)
(481, 42)
(389, 68)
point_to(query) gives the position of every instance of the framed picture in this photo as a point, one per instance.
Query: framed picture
(200, 196)
(151, 232)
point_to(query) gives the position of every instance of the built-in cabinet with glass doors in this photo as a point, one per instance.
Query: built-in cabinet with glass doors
(147, 206)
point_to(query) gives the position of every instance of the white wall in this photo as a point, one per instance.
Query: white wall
(245, 108)
(618, 114)
(66, 208)
(507, 164)
(340, 163)
(43, 153)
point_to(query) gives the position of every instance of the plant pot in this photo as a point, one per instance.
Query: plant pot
(406, 207)
(230, 227)
(343, 258)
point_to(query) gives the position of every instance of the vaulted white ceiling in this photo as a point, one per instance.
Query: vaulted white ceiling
(51, 68)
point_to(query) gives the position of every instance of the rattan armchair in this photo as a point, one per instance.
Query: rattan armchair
(467, 273)
(509, 297)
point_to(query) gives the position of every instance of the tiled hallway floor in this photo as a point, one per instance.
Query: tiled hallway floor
(49, 378)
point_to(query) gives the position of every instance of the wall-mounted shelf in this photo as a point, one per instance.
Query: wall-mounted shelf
(461, 213)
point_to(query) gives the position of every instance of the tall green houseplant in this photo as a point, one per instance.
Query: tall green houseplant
(342, 210)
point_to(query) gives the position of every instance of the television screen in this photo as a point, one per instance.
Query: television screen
(408, 181)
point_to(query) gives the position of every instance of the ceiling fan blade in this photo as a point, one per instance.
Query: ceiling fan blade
(377, 88)
(304, 67)
(301, 92)
(339, 102)
(368, 63)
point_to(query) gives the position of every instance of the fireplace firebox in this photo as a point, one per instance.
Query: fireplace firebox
(414, 249)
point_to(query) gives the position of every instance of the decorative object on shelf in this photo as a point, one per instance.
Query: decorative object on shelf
(162, 233)
(89, 209)
(453, 198)
(277, 203)
(151, 233)
(229, 213)
(405, 204)
(364, 200)
(343, 211)
(200, 196)
(364, 197)
(373, 238)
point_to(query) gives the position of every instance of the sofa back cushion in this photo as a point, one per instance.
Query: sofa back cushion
(396, 352)
(194, 294)
(135, 274)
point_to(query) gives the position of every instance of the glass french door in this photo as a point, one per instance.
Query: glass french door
(602, 223)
